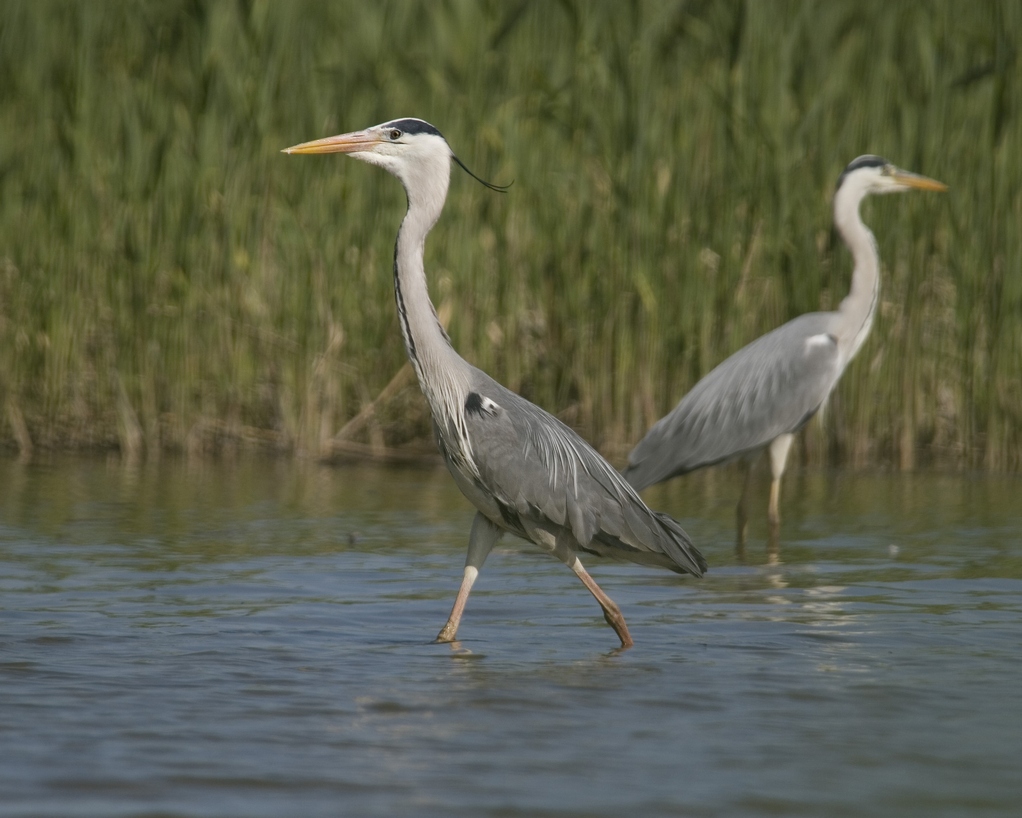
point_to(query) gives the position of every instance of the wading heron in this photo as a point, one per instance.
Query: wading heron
(768, 390)
(525, 471)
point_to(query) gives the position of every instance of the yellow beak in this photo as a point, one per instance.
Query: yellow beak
(917, 181)
(344, 143)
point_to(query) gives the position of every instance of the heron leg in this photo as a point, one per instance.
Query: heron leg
(742, 512)
(779, 449)
(561, 546)
(481, 539)
(611, 612)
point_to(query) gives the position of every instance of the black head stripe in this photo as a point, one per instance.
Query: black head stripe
(414, 126)
(867, 161)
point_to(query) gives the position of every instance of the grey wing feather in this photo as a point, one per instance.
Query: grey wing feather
(768, 388)
(534, 466)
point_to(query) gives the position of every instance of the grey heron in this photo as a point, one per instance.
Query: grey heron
(525, 471)
(768, 390)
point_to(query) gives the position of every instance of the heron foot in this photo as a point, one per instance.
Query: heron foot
(616, 620)
(611, 612)
(447, 634)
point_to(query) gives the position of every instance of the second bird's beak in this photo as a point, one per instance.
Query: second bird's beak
(904, 177)
(344, 143)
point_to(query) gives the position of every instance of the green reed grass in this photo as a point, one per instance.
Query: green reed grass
(168, 279)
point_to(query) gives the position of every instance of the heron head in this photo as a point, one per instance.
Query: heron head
(874, 174)
(411, 149)
(399, 146)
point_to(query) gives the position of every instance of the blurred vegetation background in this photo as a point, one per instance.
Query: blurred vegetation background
(170, 281)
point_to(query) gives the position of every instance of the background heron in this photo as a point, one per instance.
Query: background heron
(768, 390)
(524, 470)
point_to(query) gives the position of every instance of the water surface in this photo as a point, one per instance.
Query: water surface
(253, 639)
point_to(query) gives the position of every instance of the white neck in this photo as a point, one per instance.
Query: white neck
(443, 375)
(425, 340)
(859, 306)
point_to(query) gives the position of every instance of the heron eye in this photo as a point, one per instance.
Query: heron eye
(395, 134)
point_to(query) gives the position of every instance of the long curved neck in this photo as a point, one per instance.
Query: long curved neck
(442, 373)
(859, 306)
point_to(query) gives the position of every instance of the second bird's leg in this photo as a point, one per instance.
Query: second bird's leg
(778, 457)
(481, 540)
(742, 512)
